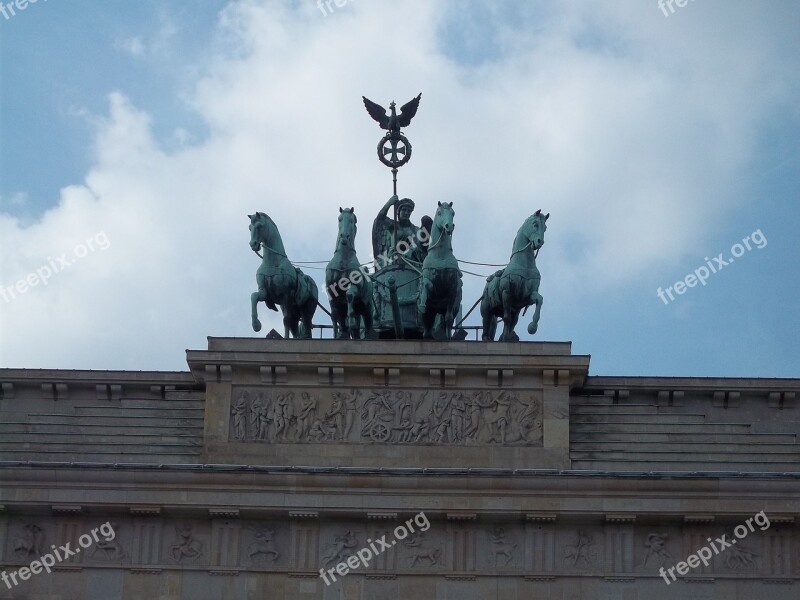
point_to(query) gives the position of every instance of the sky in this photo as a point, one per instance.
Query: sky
(136, 137)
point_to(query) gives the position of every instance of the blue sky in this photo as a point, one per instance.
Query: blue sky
(653, 141)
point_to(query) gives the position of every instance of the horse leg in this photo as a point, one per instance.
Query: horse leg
(352, 316)
(366, 315)
(452, 311)
(537, 299)
(339, 316)
(291, 317)
(509, 321)
(308, 317)
(489, 320)
(255, 298)
(428, 316)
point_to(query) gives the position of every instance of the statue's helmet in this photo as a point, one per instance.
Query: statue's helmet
(405, 203)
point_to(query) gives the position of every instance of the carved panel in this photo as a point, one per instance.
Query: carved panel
(580, 549)
(27, 541)
(385, 416)
(187, 544)
(421, 551)
(502, 548)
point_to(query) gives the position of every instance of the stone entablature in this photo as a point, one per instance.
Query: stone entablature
(510, 530)
(271, 459)
(330, 402)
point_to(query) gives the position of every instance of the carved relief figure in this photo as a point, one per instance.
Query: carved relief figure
(109, 549)
(185, 546)
(306, 415)
(320, 432)
(263, 546)
(656, 544)
(458, 416)
(501, 547)
(283, 414)
(239, 414)
(350, 411)
(340, 549)
(419, 550)
(581, 550)
(419, 430)
(525, 426)
(474, 416)
(335, 416)
(739, 557)
(500, 418)
(31, 543)
(378, 417)
(260, 416)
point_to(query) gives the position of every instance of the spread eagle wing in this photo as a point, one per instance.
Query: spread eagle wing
(407, 111)
(377, 112)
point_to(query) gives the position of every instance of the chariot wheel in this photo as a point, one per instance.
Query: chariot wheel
(379, 432)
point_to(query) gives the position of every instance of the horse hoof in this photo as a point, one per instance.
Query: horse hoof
(256, 325)
(532, 328)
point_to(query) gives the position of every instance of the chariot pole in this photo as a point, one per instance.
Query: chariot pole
(394, 149)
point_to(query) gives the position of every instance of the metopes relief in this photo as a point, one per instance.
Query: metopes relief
(456, 417)
(500, 547)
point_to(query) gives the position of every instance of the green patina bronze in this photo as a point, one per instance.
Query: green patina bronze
(516, 287)
(415, 289)
(279, 282)
(440, 286)
(348, 286)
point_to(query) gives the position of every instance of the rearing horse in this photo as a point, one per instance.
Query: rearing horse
(440, 289)
(349, 288)
(279, 282)
(516, 287)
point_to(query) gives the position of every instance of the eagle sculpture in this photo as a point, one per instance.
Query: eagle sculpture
(394, 121)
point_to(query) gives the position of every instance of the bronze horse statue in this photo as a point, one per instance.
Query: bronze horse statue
(348, 286)
(279, 282)
(510, 290)
(440, 287)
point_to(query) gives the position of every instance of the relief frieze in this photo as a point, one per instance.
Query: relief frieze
(383, 416)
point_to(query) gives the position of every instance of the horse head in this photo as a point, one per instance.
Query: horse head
(347, 227)
(443, 221)
(257, 222)
(532, 231)
(264, 231)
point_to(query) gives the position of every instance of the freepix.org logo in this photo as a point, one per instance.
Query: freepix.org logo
(53, 266)
(48, 560)
(702, 273)
(704, 554)
(352, 560)
(12, 9)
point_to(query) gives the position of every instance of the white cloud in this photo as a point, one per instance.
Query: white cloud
(627, 127)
